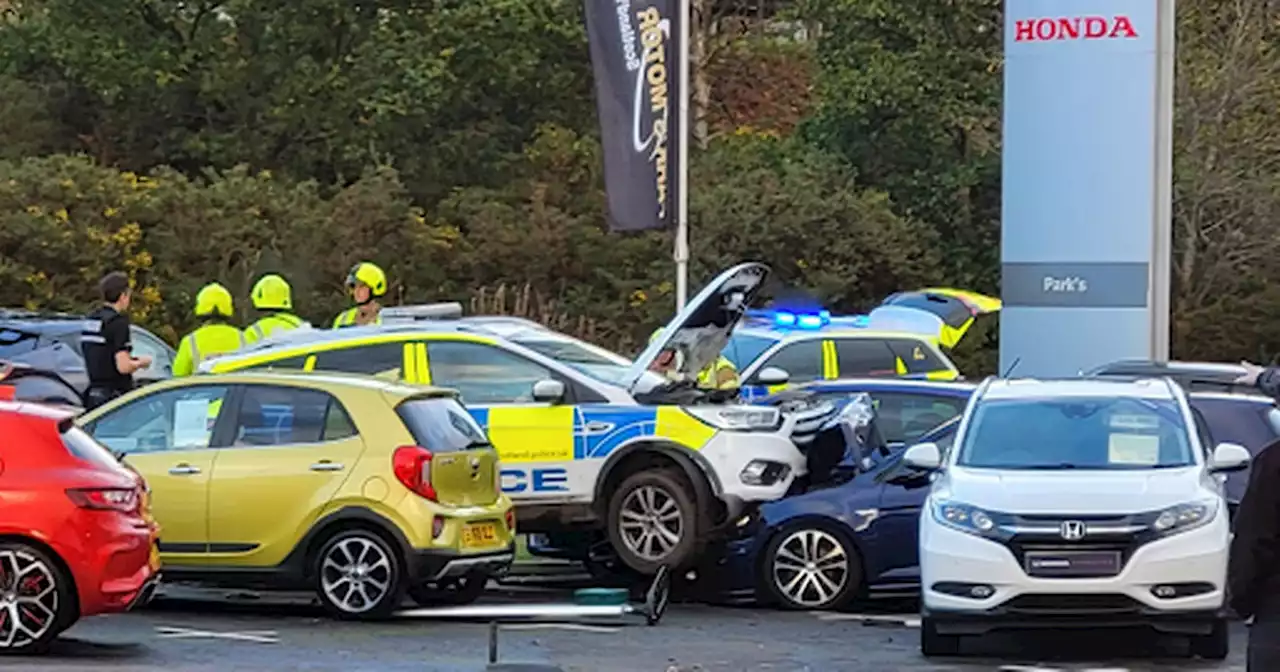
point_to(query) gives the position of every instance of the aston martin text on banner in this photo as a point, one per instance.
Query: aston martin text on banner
(634, 53)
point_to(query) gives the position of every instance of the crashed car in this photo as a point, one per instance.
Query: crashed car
(47, 346)
(591, 441)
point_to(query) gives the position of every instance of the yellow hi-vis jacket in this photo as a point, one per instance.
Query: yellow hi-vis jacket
(270, 324)
(214, 338)
(347, 318)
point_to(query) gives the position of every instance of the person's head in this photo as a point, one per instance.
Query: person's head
(272, 293)
(366, 283)
(115, 291)
(214, 302)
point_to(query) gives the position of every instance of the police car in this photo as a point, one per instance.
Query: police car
(589, 439)
(903, 337)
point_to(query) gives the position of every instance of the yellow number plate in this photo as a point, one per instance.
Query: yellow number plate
(479, 534)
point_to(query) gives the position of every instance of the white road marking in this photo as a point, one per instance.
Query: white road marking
(1036, 668)
(579, 627)
(905, 620)
(259, 636)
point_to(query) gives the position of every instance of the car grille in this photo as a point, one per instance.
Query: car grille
(1071, 604)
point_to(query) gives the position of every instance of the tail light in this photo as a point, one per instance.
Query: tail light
(511, 519)
(412, 466)
(105, 499)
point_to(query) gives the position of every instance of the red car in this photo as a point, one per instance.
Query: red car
(76, 533)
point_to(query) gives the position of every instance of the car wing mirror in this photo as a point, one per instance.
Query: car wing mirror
(1228, 457)
(923, 456)
(548, 391)
(771, 376)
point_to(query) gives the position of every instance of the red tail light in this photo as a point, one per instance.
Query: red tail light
(8, 393)
(412, 466)
(105, 499)
(511, 519)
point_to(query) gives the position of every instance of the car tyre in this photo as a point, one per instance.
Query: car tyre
(359, 575)
(933, 643)
(455, 591)
(1215, 645)
(832, 583)
(647, 510)
(43, 591)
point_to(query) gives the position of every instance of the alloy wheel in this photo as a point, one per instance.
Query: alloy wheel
(356, 574)
(28, 598)
(810, 568)
(652, 523)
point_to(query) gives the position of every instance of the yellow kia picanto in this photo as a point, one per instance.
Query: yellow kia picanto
(360, 489)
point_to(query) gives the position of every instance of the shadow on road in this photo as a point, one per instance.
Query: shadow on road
(1149, 650)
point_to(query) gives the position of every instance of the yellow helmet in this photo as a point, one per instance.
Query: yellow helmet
(213, 299)
(370, 276)
(272, 293)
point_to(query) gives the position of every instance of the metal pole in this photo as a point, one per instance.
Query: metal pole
(1162, 227)
(681, 252)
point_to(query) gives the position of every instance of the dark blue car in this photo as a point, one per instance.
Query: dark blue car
(824, 548)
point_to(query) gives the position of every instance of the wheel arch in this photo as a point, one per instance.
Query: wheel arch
(351, 517)
(647, 453)
(57, 559)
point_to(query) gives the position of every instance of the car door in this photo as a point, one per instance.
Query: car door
(866, 357)
(290, 450)
(802, 360)
(169, 437)
(903, 492)
(388, 359)
(903, 417)
(535, 440)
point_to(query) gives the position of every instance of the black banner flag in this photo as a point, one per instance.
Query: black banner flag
(635, 53)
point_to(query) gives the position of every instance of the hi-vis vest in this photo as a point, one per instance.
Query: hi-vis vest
(347, 318)
(271, 324)
(707, 377)
(203, 343)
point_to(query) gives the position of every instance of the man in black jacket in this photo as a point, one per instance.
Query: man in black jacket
(105, 343)
(1253, 573)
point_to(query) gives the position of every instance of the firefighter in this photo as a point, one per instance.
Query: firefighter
(273, 297)
(214, 336)
(718, 375)
(366, 283)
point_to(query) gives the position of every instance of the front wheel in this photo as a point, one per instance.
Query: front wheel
(36, 599)
(811, 567)
(652, 521)
(1215, 645)
(359, 575)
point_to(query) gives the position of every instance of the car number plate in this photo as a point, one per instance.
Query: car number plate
(479, 534)
(1073, 564)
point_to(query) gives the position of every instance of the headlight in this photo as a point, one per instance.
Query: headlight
(740, 418)
(963, 517)
(1184, 517)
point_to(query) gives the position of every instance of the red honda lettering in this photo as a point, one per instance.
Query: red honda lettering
(1069, 28)
(1123, 28)
(1046, 29)
(1024, 30)
(1094, 27)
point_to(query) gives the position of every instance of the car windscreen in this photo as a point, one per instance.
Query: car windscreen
(442, 425)
(743, 349)
(1108, 433)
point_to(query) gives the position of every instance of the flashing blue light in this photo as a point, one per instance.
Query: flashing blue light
(784, 319)
(788, 320)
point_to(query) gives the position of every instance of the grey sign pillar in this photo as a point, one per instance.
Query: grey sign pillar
(1086, 233)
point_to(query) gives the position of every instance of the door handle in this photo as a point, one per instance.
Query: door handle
(326, 465)
(184, 470)
(595, 427)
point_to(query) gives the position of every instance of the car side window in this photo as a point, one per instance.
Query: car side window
(484, 374)
(367, 359)
(865, 357)
(146, 344)
(1239, 422)
(273, 415)
(906, 417)
(801, 360)
(918, 357)
(180, 419)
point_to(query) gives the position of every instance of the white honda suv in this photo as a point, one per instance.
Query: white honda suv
(1075, 503)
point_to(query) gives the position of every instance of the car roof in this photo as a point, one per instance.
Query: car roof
(835, 331)
(1021, 388)
(42, 411)
(1193, 376)
(319, 379)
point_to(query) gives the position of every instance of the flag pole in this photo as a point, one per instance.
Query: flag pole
(681, 252)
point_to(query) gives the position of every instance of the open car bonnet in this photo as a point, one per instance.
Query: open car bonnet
(938, 311)
(694, 339)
